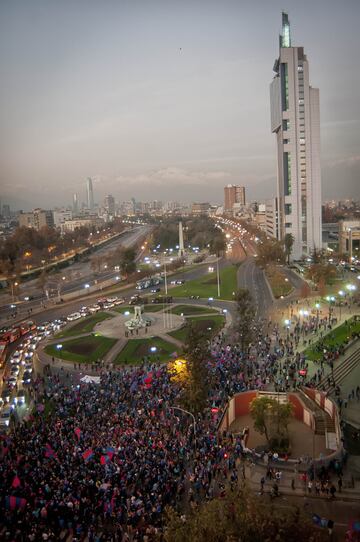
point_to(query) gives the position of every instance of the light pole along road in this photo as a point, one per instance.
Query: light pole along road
(193, 417)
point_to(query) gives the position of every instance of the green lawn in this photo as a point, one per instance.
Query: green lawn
(137, 349)
(187, 310)
(85, 325)
(279, 284)
(336, 337)
(150, 307)
(203, 323)
(84, 349)
(206, 286)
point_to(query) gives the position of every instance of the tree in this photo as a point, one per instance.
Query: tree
(127, 261)
(321, 273)
(288, 245)
(259, 410)
(270, 251)
(241, 516)
(244, 320)
(196, 384)
(218, 244)
(271, 418)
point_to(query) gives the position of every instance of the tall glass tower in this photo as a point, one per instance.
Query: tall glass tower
(89, 193)
(295, 121)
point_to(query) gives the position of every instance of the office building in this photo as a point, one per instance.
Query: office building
(200, 208)
(61, 215)
(6, 211)
(89, 194)
(109, 204)
(295, 120)
(233, 194)
(272, 218)
(37, 219)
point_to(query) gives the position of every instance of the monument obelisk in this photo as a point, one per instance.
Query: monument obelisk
(181, 241)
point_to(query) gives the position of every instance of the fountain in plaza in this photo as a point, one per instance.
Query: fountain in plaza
(138, 320)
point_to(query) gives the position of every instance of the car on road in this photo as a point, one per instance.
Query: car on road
(26, 378)
(28, 355)
(108, 305)
(11, 381)
(5, 417)
(6, 394)
(94, 308)
(155, 290)
(19, 399)
(28, 367)
(15, 369)
(16, 356)
(74, 316)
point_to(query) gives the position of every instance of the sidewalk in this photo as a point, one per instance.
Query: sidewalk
(255, 473)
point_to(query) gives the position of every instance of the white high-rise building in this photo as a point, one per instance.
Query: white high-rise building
(295, 120)
(89, 193)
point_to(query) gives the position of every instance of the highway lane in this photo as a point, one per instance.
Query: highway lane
(252, 278)
(53, 311)
(79, 268)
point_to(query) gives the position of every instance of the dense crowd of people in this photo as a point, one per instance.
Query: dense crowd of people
(103, 461)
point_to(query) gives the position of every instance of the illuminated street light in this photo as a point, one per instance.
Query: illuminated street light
(59, 346)
(341, 292)
(153, 349)
(87, 285)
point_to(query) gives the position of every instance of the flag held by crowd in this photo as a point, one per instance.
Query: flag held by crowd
(87, 455)
(12, 503)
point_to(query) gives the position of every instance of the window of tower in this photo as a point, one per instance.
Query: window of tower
(287, 173)
(284, 87)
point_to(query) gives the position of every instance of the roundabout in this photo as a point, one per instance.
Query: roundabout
(129, 335)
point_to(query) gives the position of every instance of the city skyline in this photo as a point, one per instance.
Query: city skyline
(159, 99)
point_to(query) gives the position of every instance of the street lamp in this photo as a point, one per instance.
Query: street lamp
(193, 417)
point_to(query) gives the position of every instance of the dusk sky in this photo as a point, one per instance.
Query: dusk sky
(165, 99)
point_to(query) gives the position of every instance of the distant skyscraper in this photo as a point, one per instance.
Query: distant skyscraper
(6, 211)
(295, 120)
(75, 203)
(89, 193)
(109, 204)
(233, 194)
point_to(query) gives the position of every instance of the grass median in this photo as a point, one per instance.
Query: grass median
(84, 349)
(206, 286)
(209, 325)
(153, 307)
(279, 283)
(85, 325)
(136, 351)
(188, 310)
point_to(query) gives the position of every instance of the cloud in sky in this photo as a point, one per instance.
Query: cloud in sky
(162, 96)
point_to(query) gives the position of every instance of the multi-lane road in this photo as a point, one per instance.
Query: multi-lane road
(76, 276)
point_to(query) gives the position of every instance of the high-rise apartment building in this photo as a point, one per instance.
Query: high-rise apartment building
(109, 204)
(89, 193)
(233, 194)
(37, 219)
(295, 120)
